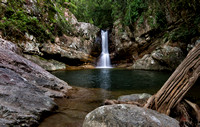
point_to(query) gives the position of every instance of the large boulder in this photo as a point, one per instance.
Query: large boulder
(165, 57)
(25, 89)
(87, 30)
(147, 63)
(124, 115)
(168, 55)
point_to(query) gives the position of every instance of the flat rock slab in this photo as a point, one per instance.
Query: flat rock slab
(25, 89)
(124, 115)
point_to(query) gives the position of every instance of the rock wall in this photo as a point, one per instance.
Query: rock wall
(138, 44)
(25, 89)
(155, 43)
(73, 46)
(72, 50)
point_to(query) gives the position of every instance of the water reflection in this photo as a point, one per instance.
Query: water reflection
(104, 77)
(115, 79)
(104, 82)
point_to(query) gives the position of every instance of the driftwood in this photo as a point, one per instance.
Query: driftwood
(178, 84)
(195, 108)
(186, 113)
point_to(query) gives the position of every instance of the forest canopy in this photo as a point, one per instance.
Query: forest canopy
(47, 18)
(103, 13)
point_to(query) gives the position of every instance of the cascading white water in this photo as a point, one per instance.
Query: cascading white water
(104, 61)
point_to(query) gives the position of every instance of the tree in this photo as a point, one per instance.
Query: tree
(178, 84)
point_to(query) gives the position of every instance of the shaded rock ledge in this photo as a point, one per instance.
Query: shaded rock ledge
(25, 89)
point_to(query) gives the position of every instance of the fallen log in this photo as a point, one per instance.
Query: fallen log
(178, 84)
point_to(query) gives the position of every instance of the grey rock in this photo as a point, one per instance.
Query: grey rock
(168, 55)
(124, 115)
(89, 31)
(141, 98)
(148, 63)
(122, 46)
(25, 90)
(30, 47)
(9, 46)
(20, 101)
(49, 65)
(162, 58)
(64, 52)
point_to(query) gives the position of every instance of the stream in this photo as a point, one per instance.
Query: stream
(92, 87)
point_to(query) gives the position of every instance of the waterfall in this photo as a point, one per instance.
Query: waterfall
(104, 61)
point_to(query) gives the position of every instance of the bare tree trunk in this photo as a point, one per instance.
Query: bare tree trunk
(178, 84)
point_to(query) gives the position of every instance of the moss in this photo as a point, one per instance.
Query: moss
(42, 23)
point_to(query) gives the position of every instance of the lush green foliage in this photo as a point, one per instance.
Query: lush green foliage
(134, 10)
(187, 30)
(47, 19)
(103, 13)
(42, 24)
(97, 12)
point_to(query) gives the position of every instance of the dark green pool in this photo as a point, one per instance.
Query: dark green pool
(123, 81)
(115, 79)
(94, 86)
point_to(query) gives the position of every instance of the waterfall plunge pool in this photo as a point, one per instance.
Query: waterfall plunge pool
(115, 79)
(92, 87)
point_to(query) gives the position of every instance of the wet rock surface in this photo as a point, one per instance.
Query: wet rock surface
(25, 89)
(124, 115)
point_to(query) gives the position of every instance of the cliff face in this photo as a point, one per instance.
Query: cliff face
(50, 35)
(160, 38)
(47, 29)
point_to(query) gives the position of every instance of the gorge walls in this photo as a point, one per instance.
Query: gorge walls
(153, 35)
(160, 37)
